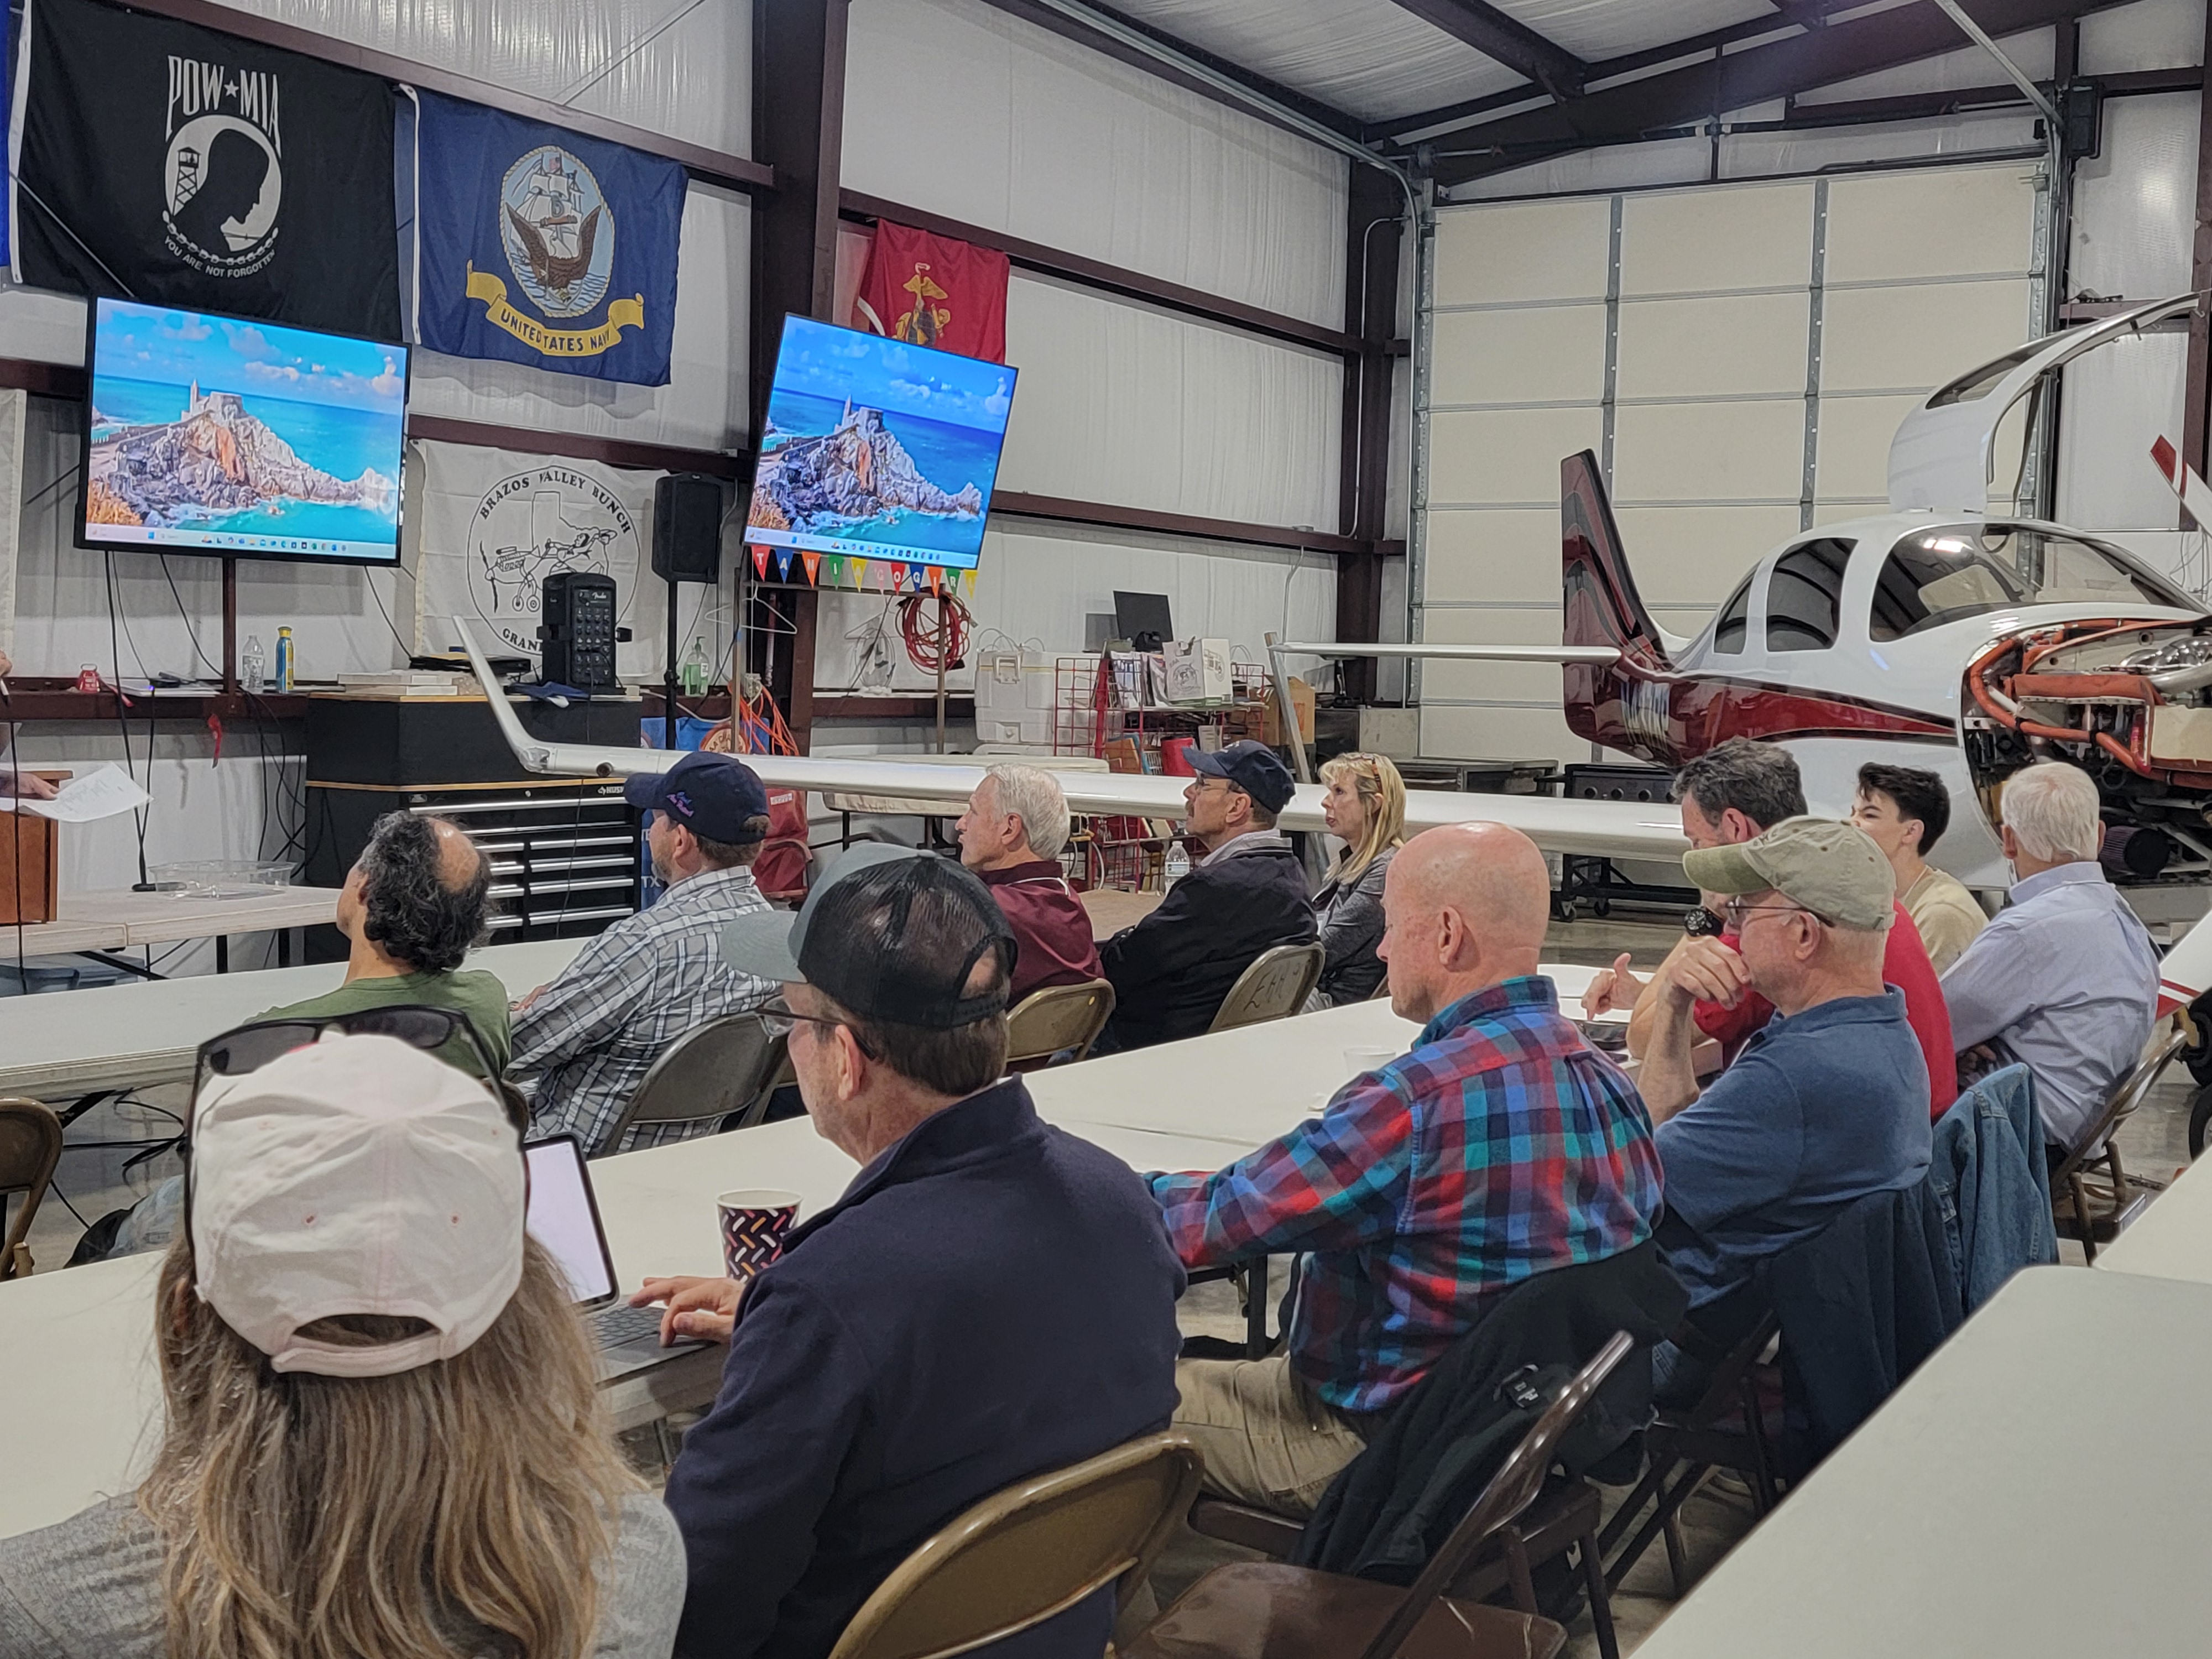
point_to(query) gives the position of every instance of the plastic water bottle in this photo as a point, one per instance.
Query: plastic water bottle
(287, 666)
(252, 664)
(1178, 865)
(695, 670)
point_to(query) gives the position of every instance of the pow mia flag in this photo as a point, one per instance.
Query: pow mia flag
(177, 166)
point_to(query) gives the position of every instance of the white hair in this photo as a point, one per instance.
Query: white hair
(2051, 810)
(1032, 794)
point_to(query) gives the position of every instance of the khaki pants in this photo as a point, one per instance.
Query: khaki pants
(1269, 1440)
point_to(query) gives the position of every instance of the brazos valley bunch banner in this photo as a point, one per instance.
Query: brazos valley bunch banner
(543, 247)
(177, 166)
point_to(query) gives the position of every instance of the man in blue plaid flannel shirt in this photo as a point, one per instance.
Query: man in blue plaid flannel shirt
(584, 1043)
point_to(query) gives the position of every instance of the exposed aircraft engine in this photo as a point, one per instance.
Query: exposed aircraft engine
(2130, 703)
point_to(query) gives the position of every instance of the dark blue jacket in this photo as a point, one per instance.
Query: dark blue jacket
(991, 1299)
(1862, 1303)
(1172, 970)
(1990, 1183)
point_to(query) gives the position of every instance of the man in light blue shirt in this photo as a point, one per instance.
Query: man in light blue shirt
(2065, 979)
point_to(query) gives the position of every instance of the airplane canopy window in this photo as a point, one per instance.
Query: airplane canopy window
(1945, 575)
(1804, 597)
(1734, 623)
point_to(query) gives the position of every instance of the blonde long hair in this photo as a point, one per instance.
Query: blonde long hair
(323, 1517)
(1381, 794)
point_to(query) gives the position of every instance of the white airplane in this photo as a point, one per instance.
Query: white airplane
(1936, 636)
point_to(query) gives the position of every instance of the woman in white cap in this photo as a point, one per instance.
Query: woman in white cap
(382, 1433)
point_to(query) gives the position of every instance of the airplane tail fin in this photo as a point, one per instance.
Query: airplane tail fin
(1603, 607)
(1623, 704)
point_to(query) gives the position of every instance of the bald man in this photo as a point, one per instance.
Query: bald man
(1502, 1146)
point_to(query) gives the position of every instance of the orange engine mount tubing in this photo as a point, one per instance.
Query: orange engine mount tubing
(1977, 684)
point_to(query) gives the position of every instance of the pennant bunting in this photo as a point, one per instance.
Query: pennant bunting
(814, 562)
(760, 560)
(783, 564)
(935, 576)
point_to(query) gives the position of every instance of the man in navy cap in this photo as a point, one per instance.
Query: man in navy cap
(583, 1043)
(1244, 896)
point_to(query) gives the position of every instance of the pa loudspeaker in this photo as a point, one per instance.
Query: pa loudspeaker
(687, 528)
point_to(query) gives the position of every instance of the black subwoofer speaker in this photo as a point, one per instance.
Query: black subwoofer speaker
(687, 528)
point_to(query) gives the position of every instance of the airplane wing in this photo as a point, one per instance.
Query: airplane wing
(1627, 830)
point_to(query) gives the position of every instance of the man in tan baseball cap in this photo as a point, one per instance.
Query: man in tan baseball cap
(1826, 1103)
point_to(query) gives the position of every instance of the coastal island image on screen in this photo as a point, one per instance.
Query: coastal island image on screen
(877, 448)
(213, 433)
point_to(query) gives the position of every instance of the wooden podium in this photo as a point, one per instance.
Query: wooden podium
(30, 864)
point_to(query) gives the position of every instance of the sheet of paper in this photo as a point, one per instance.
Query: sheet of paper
(99, 795)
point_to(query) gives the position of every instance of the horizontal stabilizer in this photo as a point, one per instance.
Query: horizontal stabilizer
(1590, 653)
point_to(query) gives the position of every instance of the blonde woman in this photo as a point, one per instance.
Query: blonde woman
(1365, 807)
(382, 1436)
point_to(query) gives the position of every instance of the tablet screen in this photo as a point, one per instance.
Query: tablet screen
(562, 1218)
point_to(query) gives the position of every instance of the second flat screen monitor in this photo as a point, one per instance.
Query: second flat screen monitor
(878, 449)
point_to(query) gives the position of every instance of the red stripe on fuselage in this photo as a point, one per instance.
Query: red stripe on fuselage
(1669, 718)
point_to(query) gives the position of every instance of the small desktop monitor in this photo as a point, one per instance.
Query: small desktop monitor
(208, 434)
(878, 449)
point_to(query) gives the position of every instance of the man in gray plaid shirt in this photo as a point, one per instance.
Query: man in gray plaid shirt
(584, 1043)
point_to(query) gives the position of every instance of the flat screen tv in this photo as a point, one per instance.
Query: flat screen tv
(877, 448)
(207, 433)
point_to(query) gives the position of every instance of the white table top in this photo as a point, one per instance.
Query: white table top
(118, 920)
(2172, 1237)
(1950, 1523)
(67, 1042)
(80, 1342)
(1235, 1090)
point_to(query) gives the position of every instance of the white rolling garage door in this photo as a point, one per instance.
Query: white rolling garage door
(1737, 354)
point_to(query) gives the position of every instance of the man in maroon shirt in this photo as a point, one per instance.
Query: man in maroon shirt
(1011, 837)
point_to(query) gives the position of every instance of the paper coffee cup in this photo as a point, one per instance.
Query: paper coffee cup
(754, 1223)
(1357, 1061)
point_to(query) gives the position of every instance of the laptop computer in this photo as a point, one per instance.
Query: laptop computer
(564, 1219)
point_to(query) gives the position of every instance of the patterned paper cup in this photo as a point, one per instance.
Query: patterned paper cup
(754, 1222)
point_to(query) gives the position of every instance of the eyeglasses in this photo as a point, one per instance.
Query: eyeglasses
(249, 1047)
(1735, 910)
(781, 1022)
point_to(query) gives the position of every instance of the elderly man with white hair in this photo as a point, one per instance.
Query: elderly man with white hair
(2065, 979)
(1011, 837)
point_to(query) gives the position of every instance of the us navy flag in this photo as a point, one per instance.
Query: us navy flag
(178, 166)
(539, 246)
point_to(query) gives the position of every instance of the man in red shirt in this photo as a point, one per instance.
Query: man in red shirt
(1730, 794)
(1011, 837)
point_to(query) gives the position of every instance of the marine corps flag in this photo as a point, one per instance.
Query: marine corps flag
(935, 291)
(180, 167)
(539, 246)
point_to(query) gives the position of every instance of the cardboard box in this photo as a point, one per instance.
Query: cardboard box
(1302, 700)
(1197, 670)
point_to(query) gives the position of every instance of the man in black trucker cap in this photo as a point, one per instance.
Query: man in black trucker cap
(1245, 894)
(990, 1300)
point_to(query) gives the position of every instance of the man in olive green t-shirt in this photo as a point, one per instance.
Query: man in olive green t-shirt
(413, 903)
